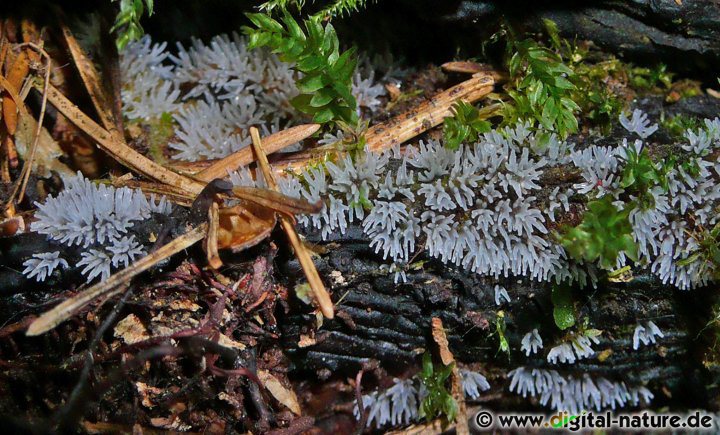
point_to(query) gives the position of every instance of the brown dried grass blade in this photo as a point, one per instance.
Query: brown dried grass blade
(178, 196)
(409, 124)
(91, 80)
(50, 319)
(12, 92)
(16, 75)
(27, 166)
(118, 149)
(273, 143)
(276, 201)
(316, 284)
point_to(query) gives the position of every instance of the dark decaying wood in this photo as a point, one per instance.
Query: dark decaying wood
(684, 34)
(380, 321)
(387, 325)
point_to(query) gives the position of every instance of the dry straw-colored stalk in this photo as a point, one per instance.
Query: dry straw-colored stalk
(316, 285)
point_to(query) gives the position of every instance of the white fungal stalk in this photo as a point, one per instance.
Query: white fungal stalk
(575, 395)
(399, 405)
(96, 217)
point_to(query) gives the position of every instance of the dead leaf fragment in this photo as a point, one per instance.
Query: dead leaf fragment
(306, 340)
(48, 152)
(228, 342)
(131, 330)
(438, 333)
(147, 394)
(283, 395)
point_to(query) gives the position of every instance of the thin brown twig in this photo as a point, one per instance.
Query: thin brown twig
(428, 114)
(316, 284)
(50, 319)
(118, 149)
(27, 167)
(211, 242)
(410, 124)
(275, 142)
(359, 400)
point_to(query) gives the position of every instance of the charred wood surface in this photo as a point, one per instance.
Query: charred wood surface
(382, 323)
(379, 321)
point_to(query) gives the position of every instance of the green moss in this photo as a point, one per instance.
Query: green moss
(325, 85)
(600, 105)
(676, 125)
(161, 130)
(641, 174)
(438, 401)
(604, 233)
(656, 78)
(465, 126)
(127, 22)
(541, 88)
(563, 310)
(500, 326)
(563, 83)
(707, 253)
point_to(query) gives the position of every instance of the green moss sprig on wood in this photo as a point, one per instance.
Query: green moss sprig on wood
(325, 84)
(599, 105)
(677, 125)
(563, 308)
(332, 9)
(647, 79)
(127, 21)
(641, 174)
(541, 88)
(438, 401)
(465, 126)
(708, 252)
(604, 233)
(500, 327)
(559, 82)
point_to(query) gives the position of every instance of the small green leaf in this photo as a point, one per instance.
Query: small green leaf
(310, 63)
(323, 116)
(266, 23)
(322, 97)
(293, 27)
(311, 83)
(345, 93)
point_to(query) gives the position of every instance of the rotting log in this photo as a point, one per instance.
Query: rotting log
(380, 323)
(685, 34)
(378, 320)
